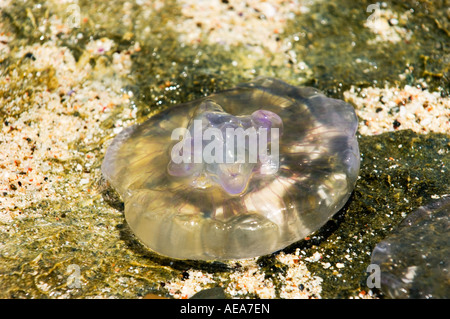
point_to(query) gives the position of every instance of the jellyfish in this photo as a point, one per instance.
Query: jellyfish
(237, 174)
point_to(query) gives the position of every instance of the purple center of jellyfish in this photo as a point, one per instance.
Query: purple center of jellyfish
(219, 148)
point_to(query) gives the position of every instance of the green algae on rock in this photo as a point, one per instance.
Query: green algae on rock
(414, 259)
(421, 31)
(178, 212)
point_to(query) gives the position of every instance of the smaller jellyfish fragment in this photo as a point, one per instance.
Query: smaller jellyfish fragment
(414, 260)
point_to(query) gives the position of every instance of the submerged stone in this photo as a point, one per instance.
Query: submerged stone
(414, 260)
(213, 209)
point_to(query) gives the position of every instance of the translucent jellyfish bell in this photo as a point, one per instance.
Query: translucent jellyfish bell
(238, 174)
